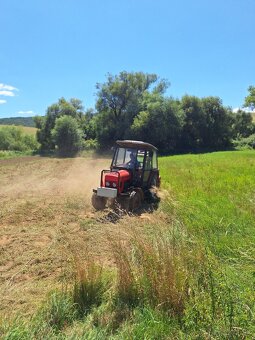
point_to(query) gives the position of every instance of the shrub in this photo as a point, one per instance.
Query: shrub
(67, 135)
(245, 143)
(14, 139)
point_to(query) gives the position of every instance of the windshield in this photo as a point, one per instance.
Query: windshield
(123, 157)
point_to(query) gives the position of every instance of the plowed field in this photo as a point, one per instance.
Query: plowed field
(45, 220)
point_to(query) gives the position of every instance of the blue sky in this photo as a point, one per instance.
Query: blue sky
(53, 48)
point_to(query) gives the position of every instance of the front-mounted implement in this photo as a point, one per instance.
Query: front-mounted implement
(132, 176)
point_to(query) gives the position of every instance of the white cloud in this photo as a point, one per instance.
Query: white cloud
(26, 112)
(7, 87)
(7, 93)
(250, 109)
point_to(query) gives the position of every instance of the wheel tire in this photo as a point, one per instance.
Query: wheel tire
(135, 201)
(122, 203)
(98, 202)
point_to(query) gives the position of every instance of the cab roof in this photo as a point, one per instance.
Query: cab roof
(136, 144)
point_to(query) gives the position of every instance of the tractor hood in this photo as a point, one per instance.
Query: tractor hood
(116, 179)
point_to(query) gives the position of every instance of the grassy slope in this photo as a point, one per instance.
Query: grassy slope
(26, 129)
(210, 199)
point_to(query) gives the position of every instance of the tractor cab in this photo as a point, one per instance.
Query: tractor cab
(133, 172)
(139, 160)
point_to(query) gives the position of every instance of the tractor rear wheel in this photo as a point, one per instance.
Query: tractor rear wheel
(98, 202)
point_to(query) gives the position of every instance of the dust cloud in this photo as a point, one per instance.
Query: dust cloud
(83, 176)
(50, 177)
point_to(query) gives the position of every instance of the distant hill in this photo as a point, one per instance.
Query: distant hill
(23, 121)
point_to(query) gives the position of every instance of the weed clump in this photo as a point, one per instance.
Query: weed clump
(89, 287)
(152, 273)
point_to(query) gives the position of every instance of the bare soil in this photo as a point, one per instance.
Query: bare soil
(46, 220)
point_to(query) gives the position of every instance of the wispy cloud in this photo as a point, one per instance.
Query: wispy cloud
(7, 93)
(7, 87)
(26, 112)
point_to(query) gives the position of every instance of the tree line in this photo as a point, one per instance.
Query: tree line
(135, 106)
(18, 121)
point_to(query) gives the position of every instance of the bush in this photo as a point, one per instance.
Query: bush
(245, 143)
(14, 139)
(67, 135)
(90, 144)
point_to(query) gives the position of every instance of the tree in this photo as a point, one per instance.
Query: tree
(161, 122)
(67, 135)
(243, 125)
(194, 122)
(120, 100)
(219, 120)
(250, 99)
(45, 125)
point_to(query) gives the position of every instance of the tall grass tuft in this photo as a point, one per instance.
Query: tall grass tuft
(126, 282)
(89, 287)
(152, 273)
(58, 312)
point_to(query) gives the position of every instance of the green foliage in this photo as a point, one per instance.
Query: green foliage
(132, 105)
(90, 144)
(11, 154)
(160, 124)
(194, 122)
(66, 134)
(243, 125)
(250, 99)
(245, 143)
(119, 101)
(217, 133)
(45, 125)
(14, 139)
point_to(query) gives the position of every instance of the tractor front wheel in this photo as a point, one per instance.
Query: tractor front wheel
(98, 202)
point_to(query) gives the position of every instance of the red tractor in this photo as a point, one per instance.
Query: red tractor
(132, 175)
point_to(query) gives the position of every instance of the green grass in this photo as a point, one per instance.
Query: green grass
(5, 154)
(214, 195)
(187, 274)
